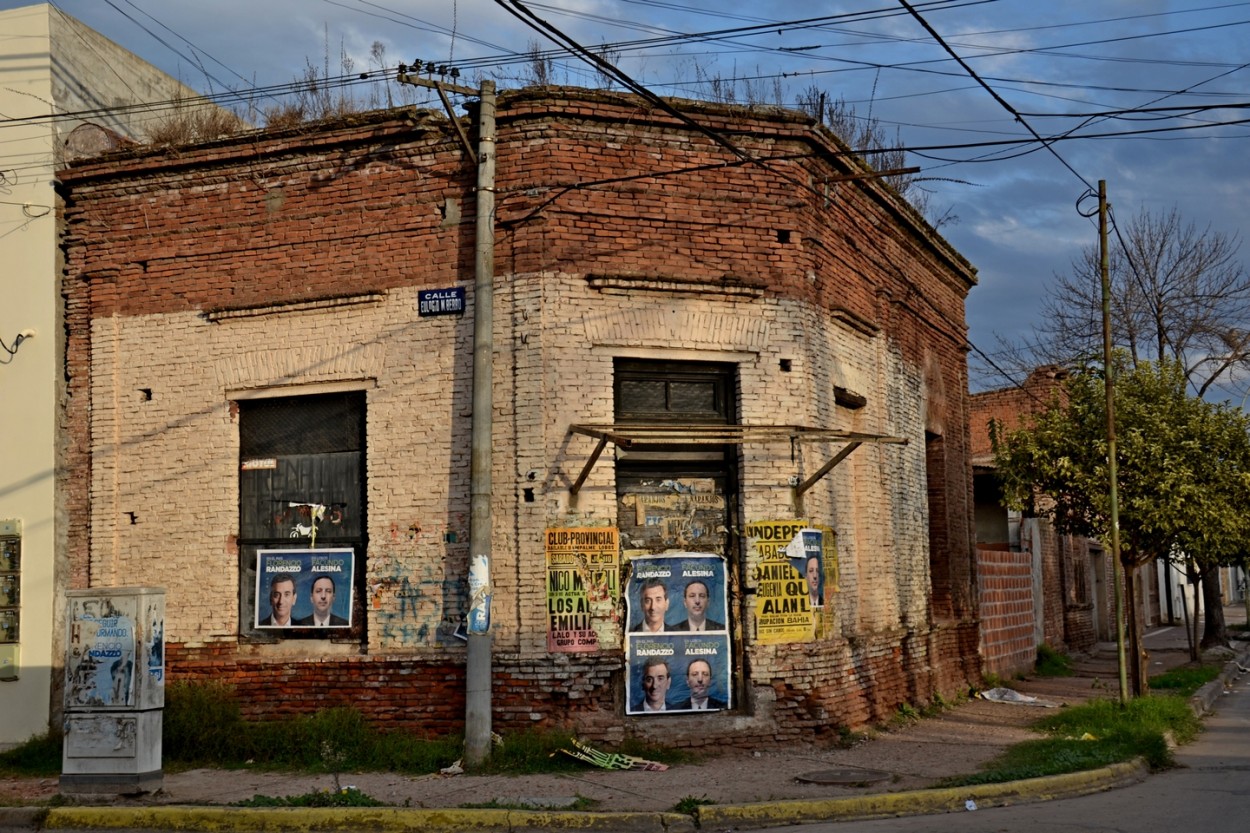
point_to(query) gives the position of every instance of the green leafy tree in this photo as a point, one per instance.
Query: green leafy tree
(1183, 466)
(1178, 292)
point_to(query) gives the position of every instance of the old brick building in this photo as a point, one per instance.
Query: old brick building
(253, 361)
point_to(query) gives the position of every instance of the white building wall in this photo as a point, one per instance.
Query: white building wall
(50, 64)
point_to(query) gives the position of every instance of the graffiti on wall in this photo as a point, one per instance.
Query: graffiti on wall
(419, 606)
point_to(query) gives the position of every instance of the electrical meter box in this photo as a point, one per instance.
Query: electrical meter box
(114, 690)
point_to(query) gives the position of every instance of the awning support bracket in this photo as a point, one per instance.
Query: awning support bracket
(630, 436)
(802, 488)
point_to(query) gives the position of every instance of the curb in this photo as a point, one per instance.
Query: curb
(917, 802)
(387, 819)
(1204, 698)
(742, 816)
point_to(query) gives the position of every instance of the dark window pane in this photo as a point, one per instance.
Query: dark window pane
(692, 397)
(645, 396)
(674, 391)
(301, 425)
(279, 502)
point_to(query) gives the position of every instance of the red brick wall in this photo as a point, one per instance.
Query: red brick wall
(1005, 582)
(584, 693)
(1011, 407)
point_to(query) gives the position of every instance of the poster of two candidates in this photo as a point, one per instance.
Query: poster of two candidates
(677, 644)
(304, 588)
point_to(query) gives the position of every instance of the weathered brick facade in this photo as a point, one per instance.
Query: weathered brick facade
(291, 261)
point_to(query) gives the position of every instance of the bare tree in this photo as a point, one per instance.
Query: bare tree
(540, 68)
(1178, 292)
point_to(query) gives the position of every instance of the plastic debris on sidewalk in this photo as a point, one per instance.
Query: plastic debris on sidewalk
(970, 805)
(454, 769)
(1008, 695)
(611, 760)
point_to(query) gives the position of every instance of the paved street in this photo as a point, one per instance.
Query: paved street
(1210, 790)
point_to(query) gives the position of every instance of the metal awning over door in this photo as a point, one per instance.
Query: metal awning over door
(643, 435)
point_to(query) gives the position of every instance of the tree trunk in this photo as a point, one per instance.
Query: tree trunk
(1191, 630)
(1193, 577)
(1214, 631)
(1136, 649)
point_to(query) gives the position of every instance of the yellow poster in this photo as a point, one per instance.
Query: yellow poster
(783, 603)
(583, 574)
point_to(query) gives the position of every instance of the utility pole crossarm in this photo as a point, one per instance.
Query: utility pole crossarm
(442, 87)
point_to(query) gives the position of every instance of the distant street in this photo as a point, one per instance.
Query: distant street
(1210, 791)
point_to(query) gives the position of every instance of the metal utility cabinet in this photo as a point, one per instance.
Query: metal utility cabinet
(114, 690)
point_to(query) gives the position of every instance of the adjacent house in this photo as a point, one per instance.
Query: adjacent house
(1035, 585)
(730, 452)
(64, 90)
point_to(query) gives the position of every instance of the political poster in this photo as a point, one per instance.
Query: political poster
(785, 604)
(303, 589)
(100, 671)
(583, 588)
(676, 592)
(673, 673)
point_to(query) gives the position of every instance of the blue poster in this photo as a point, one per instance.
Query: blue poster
(678, 592)
(678, 672)
(304, 588)
(677, 647)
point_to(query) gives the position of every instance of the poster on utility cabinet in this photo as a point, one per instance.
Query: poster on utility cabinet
(791, 570)
(583, 569)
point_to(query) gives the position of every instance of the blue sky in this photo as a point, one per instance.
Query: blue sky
(1055, 63)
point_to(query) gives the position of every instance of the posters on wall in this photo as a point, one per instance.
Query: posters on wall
(304, 588)
(794, 570)
(583, 594)
(677, 647)
(100, 668)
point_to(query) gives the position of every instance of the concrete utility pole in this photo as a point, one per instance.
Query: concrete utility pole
(477, 706)
(477, 716)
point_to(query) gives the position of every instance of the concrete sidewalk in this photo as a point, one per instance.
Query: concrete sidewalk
(891, 774)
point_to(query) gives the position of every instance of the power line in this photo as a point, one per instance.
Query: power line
(1003, 102)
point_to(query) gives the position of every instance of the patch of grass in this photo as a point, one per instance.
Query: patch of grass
(203, 726)
(1185, 680)
(536, 752)
(345, 797)
(1052, 663)
(659, 754)
(939, 704)
(690, 804)
(529, 752)
(40, 757)
(1093, 735)
(849, 739)
(906, 713)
